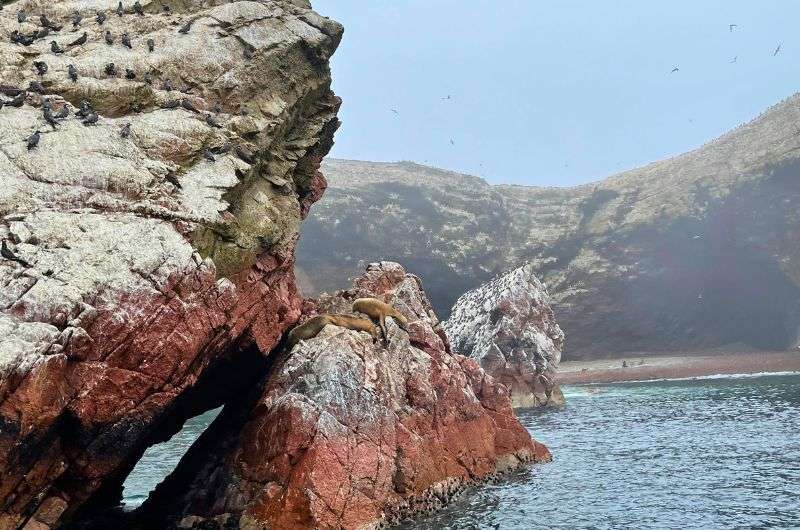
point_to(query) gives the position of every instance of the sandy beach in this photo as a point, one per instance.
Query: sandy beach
(642, 368)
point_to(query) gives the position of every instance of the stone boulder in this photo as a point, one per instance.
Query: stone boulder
(348, 433)
(507, 325)
(144, 276)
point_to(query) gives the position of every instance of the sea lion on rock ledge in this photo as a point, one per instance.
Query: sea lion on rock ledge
(375, 309)
(313, 326)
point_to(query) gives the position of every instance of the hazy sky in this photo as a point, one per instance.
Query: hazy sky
(554, 92)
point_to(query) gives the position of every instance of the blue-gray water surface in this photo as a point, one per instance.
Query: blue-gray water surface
(706, 453)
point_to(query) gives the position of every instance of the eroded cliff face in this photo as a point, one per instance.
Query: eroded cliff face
(351, 433)
(142, 281)
(697, 251)
(507, 325)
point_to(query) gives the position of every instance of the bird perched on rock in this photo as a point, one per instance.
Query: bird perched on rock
(72, 72)
(130, 74)
(186, 27)
(120, 10)
(45, 23)
(41, 67)
(125, 131)
(84, 109)
(148, 78)
(208, 155)
(172, 178)
(151, 45)
(137, 8)
(76, 19)
(55, 48)
(32, 141)
(167, 85)
(91, 118)
(212, 122)
(111, 69)
(18, 100)
(21, 16)
(126, 41)
(171, 104)
(249, 52)
(188, 105)
(101, 17)
(109, 37)
(63, 113)
(48, 115)
(35, 86)
(80, 41)
(42, 33)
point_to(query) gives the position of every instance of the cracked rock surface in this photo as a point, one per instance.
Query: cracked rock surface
(134, 266)
(350, 434)
(507, 325)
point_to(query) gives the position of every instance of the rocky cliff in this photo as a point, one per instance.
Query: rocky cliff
(507, 325)
(148, 230)
(349, 432)
(697, 251)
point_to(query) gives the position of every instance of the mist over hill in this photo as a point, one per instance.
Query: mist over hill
(693, 252)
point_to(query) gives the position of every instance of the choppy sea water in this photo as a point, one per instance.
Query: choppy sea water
(705, 453)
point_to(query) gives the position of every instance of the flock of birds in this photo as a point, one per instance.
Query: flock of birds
(731, 29)
(85, 111)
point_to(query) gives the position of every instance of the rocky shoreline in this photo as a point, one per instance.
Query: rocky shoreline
(641, 368)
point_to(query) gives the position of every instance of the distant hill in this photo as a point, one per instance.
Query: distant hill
(693, 252)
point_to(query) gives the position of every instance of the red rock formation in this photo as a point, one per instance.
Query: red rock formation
(141, 284)
(347, 433)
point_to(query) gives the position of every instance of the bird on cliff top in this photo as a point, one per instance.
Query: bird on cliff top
(167, 85)
(208, 155)
(35, 86)
(21, 16)
(171, 104)
(212, 122)
(777, 50)
(109, 38)
(72, 72)
(91, 118)
(47, 112)
(120, 10)
(55, 48)
(151, 45)
(186, 27)
(126, 41)
(76, 20)
(130, 74)
(32, 141)
(111, 69)
(63, 113)
(41, 67)
(101, 17)
(18, 100)
(125, 131)
(84, 108)
(80, 41)
(45, 23)
(137, 8)
(148, 78)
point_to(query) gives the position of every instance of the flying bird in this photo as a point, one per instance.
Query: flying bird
(676, 69)
(448, 96)
(731, 27)
(734, 59)
(452, 142)
(777, 50)
(395, 111)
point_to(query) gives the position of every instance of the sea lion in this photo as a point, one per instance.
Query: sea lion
(375, 309)
(313, 326)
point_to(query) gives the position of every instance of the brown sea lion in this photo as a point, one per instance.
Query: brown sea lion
(377, 310)
(313, 326)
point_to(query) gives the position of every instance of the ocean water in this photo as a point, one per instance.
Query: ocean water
(719, 452)
(707, 453)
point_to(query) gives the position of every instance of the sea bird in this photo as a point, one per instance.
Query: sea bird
(32, 141)
(55, 48)
(80, 41)
(73, 73)
(777, 50)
